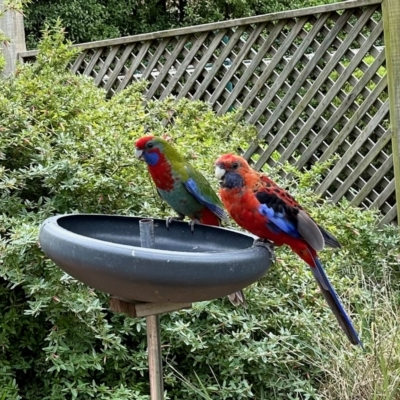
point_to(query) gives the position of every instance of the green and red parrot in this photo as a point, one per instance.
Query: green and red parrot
(263, 208)
(184, 188)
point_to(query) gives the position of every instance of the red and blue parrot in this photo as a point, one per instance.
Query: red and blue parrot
(261, 207)
(184, 188)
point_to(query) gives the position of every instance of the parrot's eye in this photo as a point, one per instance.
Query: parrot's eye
(235, 165)
(150, 145)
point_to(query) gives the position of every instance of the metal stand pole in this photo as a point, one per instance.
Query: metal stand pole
(146, 227)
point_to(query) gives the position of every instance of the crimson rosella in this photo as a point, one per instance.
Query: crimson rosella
(260, 206)
(184, 188)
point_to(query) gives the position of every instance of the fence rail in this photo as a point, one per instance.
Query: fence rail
(312, 81)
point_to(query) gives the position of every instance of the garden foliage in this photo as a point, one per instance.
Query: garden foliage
(90, 20)
(65, 148)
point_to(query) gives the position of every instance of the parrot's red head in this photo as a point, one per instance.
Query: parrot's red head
(143, 142)
(232, 171)
(155, 151)
(230, 163)
(147, 149)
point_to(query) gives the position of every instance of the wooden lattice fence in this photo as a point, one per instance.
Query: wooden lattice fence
(312, 81)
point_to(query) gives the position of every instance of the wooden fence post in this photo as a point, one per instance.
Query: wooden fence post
(12, 25)
(391, 23)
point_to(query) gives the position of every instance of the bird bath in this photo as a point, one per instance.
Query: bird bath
(149, 269)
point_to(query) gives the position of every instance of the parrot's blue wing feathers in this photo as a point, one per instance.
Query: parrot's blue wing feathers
(193, 189)
(281, 210)
(278, 222)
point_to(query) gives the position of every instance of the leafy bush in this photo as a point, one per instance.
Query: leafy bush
(90, 20)
(65, 148)
(200, 12)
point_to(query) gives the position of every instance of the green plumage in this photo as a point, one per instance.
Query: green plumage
(184, 188)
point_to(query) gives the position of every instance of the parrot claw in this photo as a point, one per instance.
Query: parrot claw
(266, 244)
(238, 299)
(192, 223)
(170, 219)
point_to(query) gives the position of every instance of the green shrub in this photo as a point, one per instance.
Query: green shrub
(65, 148)
(90, 20)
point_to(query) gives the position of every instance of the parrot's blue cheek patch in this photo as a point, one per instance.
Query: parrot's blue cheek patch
(151, 158)
(232, 180)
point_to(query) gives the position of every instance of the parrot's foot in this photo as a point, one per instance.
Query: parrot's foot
(238, 299)
(268, 245)
(170, 219)
(192, 224)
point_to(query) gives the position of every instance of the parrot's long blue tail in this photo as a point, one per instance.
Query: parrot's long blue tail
(335, 304)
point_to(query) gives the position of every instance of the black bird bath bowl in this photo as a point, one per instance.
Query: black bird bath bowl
(103, 251)
(141, 260)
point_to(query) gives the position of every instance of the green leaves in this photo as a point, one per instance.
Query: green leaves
(91, 20)
(65, 148)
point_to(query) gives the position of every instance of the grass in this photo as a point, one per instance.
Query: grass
(375, 373)
(200, 390)
(350, 373)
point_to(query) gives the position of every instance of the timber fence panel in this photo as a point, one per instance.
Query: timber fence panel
(312, 81)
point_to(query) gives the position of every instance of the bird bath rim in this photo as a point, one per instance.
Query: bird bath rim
(100, 250)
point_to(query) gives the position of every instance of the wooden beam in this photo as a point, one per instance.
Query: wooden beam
(391, 23)
(139, 309)
(12, 25)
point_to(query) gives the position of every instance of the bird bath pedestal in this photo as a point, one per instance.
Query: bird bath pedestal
(149, 269)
